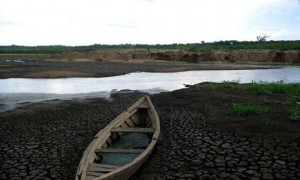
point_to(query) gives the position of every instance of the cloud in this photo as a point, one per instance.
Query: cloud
(276, 10)
(78, 22)
(146, 0)
(122, 25)
(8, 23)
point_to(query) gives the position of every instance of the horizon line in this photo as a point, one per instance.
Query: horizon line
(132, 44)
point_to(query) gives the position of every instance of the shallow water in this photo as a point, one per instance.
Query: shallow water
(148, 82)
(15, 91)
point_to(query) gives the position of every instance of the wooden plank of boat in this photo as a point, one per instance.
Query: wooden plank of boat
(112, 150)
(133, 130)
(138, 118)
(95, 174)
(107, 166)
(101, 168)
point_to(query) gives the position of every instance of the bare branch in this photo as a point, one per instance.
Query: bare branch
(262, 38)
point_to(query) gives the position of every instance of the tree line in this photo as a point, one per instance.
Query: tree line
(220, 45)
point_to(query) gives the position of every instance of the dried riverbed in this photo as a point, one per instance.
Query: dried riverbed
(46, 140)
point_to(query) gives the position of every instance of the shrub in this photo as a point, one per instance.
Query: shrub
(247, 110)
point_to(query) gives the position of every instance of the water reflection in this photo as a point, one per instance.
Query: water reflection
(144, 81)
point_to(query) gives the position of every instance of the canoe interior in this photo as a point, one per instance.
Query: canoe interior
(118, 159)
(125, 142)
(132, 140)
(135, 141)
(127, 135)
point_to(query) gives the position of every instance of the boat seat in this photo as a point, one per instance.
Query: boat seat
(132, 129)
(112, 150)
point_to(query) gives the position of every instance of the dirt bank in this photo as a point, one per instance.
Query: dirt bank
(261, 56)
(199, 140)
(62, 69)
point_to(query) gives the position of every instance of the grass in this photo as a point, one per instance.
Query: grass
(262, 88)
(247, 110)
(292, 91)
(295, 100)
(268, 88)
(229, 84)
(294, 114)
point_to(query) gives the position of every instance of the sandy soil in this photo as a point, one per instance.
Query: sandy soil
(57, 74)
(62, 69)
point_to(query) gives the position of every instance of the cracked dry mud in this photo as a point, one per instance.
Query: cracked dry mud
(46, 141)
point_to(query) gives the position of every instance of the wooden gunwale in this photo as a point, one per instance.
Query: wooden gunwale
(113, 150)
(134, 130)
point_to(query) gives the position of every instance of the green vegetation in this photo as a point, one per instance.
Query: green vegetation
(295, 100)
(195, 47)
(268, 88)
(247, 110)
(294, 113)
(262, 88)
(228, 84)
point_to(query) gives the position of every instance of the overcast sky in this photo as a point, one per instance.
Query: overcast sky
(86, 22)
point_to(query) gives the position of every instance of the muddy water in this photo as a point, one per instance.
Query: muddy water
(19, 90)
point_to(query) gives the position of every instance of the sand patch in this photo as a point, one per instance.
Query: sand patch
(178, 69)
(57, 74)
(134, 61)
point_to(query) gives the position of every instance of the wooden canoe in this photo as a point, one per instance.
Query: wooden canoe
(119, 149)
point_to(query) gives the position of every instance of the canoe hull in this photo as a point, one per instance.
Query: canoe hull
(123, 124)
